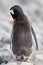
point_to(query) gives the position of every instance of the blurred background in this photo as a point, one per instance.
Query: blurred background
(34, 11)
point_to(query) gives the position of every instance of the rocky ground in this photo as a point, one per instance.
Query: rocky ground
(34, 10)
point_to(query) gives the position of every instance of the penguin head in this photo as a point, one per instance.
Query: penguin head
(16, 12)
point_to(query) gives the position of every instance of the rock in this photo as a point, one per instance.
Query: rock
(3, 61)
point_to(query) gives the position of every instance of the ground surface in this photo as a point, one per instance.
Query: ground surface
(33, 9)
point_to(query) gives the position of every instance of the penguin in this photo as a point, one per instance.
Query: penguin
(21, 34)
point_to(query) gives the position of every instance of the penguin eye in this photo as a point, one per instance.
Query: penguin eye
(11, 11)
